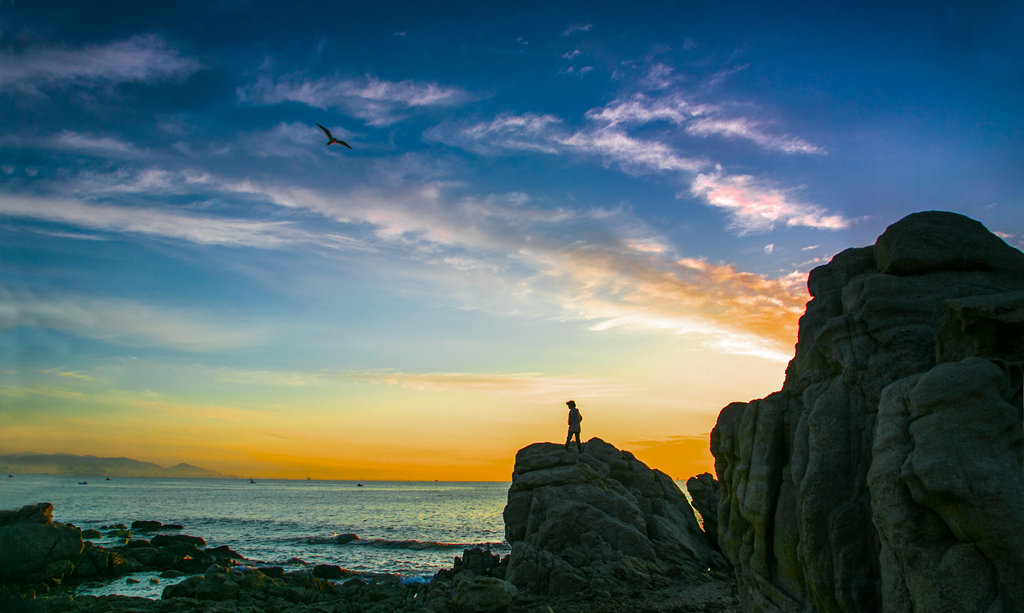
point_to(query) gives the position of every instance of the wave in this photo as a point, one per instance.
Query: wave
(410, 544)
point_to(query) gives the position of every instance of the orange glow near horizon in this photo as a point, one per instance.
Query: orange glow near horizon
(448, 427)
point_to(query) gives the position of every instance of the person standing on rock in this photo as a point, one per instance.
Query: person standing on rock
(574, 425)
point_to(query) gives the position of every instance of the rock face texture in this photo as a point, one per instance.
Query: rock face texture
(34, 548)
(886, 475)
(599, 520)
(474, 584)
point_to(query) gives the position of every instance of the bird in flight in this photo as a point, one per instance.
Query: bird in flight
(331, 137)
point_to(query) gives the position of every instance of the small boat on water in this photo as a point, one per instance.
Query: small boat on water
(83, 483)
(359, 485)
(108, 478)
(251, 481)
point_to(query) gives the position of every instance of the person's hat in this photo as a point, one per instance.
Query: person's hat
(571, 403)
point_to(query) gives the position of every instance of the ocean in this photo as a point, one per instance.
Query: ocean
(408, 528)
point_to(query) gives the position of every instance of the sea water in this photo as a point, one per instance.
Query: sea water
(407, 528)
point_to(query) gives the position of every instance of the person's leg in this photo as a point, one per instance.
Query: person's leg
(568, 437)
(578, 447)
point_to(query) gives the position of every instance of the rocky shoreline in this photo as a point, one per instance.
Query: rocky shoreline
(596, 531)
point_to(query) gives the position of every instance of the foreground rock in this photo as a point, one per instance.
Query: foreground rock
(704, 490)
(36, 551)
(38, 554)
(599, 521)
(248, 590)
(474, 584)
(886, 475)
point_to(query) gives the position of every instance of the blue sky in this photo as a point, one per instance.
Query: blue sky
(614, 203)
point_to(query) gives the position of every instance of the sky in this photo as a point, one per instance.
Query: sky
(616, 203)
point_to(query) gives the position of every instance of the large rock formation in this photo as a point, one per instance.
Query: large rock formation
(886, 475)
(33, 548)
(599, 520)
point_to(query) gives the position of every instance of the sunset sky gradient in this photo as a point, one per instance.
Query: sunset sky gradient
(616, 203)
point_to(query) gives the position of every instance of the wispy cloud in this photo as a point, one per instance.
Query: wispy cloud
(741, 127)
(577, 27)
(609, 134)
(577, 71)
(621, 276)
(67, 140)
(123, 322)
(374, 100)
(549, 134)
(520, 384)
(102, 145)
(640, 109)
(527, 132)
(631, 153)
(755, 205)
(724, 75)
(140, 58)
(152, 222)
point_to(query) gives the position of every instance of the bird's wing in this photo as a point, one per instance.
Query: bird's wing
(326, 131)
(341, 142)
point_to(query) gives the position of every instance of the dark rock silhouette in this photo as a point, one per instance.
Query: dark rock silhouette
(886, 475)
(704, 490)
(600, 521)
(35, 548)
(475, 583)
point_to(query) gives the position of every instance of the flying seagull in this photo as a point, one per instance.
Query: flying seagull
(330, 136)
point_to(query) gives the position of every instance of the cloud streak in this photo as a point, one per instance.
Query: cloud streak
(519, 384)
(376, 101)
(155, 223)
(743, 128)
(610, 134)
(756, 206)
(622, 276)
(138, 59)
(76, 142)
(549, 134)
(123, 322)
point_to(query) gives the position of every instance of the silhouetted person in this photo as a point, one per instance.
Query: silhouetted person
(574, 425)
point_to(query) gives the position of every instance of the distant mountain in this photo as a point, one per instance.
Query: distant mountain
(90, 465)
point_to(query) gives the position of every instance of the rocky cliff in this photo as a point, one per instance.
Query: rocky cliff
(886, 475)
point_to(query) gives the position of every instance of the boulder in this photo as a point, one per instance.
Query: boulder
(475, 578)
(146, 526)
(35, 548)
(703, 491)
(878, 477)
(934, 241)
(597, 520)
(484, 595)
(215, 584)
(328, 571)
